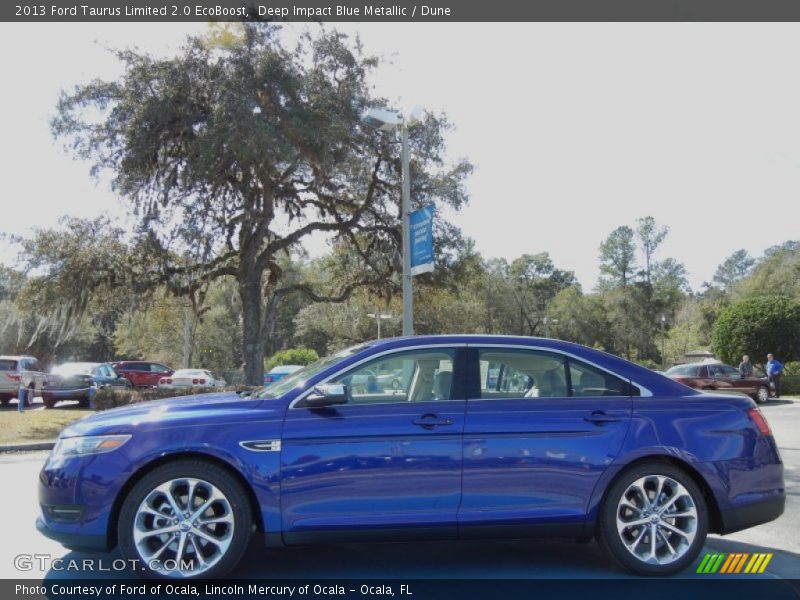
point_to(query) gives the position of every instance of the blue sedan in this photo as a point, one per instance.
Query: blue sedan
(482, 437)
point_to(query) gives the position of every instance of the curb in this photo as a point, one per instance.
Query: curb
(29, 447)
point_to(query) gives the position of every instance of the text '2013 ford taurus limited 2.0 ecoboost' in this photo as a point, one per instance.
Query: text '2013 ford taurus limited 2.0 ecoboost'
(447, 437)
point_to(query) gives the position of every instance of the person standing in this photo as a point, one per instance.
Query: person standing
(774, 370)
(745, 368)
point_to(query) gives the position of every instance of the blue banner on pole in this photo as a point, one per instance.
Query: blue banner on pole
(421, 226)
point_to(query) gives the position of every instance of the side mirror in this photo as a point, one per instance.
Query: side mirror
(326, 394)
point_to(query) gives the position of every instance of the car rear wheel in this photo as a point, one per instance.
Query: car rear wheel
(185, 519)
(653, 520)
(48, 401)
(762, 395)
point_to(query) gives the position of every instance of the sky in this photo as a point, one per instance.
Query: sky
(574, 129)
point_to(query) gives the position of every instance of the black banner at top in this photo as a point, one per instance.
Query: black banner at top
(399, 10)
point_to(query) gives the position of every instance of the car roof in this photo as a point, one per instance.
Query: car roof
(16, 357)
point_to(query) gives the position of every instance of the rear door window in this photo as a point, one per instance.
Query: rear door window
(587, 380)
(521, 374)
(8, 365)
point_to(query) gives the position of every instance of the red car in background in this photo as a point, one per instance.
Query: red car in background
(142, 373)
(721, 378)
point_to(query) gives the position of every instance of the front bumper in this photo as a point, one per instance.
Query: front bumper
(74, 541)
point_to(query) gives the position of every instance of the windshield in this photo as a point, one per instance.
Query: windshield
(300, 377)
(683, 370)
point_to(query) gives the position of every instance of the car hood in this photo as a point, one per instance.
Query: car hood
(164, 413)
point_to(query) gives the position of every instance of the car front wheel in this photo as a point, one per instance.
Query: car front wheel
(185, 519)
(653, 520)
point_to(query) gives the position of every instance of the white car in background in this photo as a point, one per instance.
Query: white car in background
(17, 372)
(190, 378)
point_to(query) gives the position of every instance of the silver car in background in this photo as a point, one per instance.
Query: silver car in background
(17, 372)
(190, 378)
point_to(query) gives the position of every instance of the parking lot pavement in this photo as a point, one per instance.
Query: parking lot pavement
(473, 559)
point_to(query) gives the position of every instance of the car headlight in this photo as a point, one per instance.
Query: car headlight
(86, 445)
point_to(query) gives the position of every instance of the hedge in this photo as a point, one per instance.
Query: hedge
(790, 384)
(112, 398)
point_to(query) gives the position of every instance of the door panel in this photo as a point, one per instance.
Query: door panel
(372, 467)
(531, 463)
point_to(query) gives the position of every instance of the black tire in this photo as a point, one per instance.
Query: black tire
(762, 395)
(48, 402)
(4, 400)
(611, 540)
(190, 468)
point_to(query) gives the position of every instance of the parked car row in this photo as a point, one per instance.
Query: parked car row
(73, 380)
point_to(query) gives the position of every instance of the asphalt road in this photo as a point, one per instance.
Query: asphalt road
(478, 559)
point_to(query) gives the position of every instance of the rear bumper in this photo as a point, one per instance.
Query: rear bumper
(742, 517)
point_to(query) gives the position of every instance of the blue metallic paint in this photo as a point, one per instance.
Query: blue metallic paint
(355, 468)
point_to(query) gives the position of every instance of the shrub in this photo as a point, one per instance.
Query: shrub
(757, 326)
(648, 364)
(790, 384)
(112, 398)
(291, 356)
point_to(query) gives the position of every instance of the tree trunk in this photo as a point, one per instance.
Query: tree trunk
(250, 294)
(270, 321)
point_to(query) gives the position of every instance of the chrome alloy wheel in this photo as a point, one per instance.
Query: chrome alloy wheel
(657, 519)
(762, 395)
(183, 527)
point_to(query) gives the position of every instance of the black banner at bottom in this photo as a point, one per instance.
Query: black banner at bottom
(414, 589)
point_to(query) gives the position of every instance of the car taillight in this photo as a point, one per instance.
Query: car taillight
(682, 380)
(267, 378)
(201, 381)
(194, 381)
(760, 421)
(14, 377)
(169, 380)
(162, 380)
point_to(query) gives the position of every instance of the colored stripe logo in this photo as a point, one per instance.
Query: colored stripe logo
(735, 562)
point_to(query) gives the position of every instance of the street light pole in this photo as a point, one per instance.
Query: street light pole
(408, 302)
(386, 120)
(663, 357)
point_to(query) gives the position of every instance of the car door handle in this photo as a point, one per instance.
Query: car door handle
(599, 417)
(431, 421)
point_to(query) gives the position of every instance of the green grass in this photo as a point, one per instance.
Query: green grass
(36, 425)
